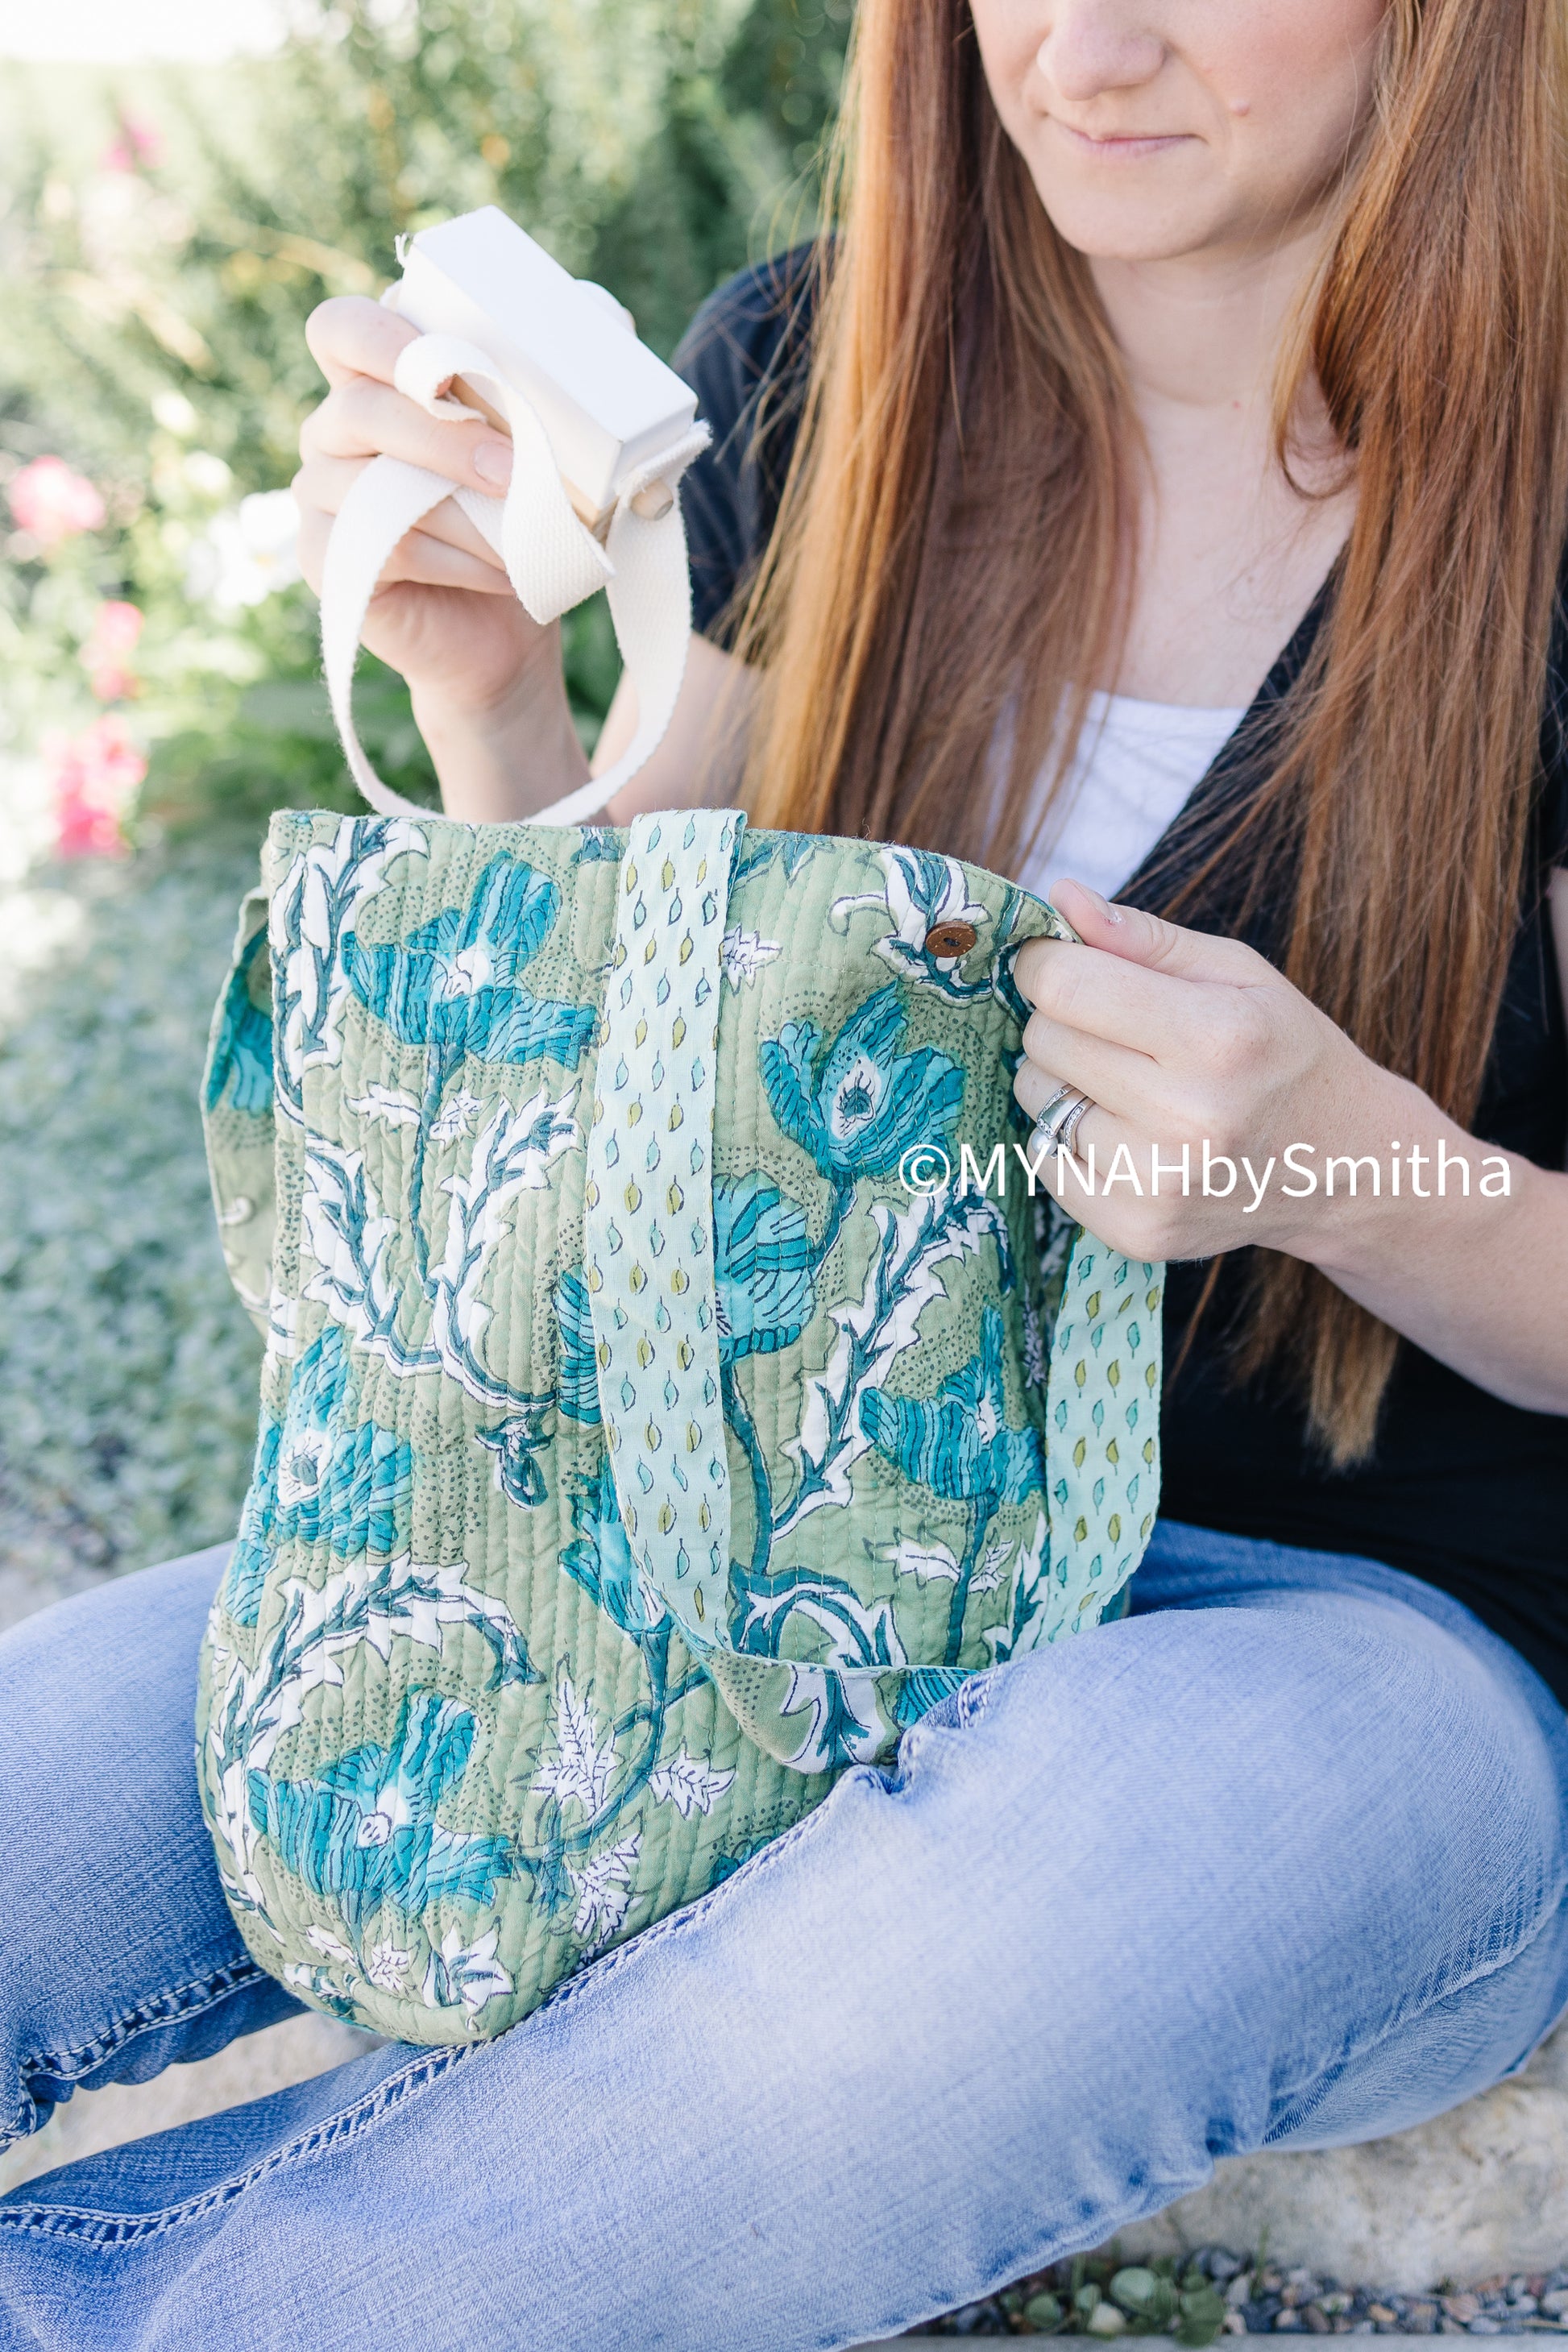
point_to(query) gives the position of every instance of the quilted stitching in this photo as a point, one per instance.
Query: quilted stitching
(463, 1725)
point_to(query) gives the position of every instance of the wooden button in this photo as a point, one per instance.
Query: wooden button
(950, 939)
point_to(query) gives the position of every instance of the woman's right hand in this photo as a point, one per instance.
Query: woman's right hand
(486, 680)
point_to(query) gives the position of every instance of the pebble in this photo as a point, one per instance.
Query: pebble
(1263, 2300)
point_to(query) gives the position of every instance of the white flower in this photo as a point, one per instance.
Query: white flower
(464, 974)
(388, 1966)
(603, 1889)
(207, 474)
(458, 1118)
(688, 1784)
(923, 893)
(581, 1768)
(247, 553)
(387, 1104)
(743, 954)
(174, 412)
(470, 1973)
(300, 1469)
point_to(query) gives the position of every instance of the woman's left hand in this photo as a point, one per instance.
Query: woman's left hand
(1189, 1044)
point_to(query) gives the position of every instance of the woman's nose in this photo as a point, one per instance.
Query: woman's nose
(1091, 46)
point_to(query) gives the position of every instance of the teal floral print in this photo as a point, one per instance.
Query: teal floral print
(959, 1445)
(599, 1558)
(517, 1443)
(239, 1070)
(457, 1735)
(858, 1104)
(577, 1374)
(320, 1475)
(365, 1830)
(763, 1262)
(454, 985)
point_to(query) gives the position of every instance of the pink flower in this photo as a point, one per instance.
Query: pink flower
(141, 143)
(115, 630)
(52, 503)
(94, 775)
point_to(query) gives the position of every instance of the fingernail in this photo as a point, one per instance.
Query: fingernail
(492, 462)
(1112, 914)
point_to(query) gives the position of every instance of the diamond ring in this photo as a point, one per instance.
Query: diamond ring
(1057, 1127)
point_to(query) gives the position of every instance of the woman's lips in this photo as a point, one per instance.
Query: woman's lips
(1120, 146)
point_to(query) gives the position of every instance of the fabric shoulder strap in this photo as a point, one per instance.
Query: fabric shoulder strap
(648, 1247)
(553, 560)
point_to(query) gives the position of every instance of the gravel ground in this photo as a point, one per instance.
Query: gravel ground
(127, 1369)
(1218, 2293)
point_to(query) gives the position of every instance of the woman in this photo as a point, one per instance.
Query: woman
(1165, 483)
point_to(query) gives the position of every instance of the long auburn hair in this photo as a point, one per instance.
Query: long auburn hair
(951, 553)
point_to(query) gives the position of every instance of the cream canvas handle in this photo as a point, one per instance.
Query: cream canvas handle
(553, 560)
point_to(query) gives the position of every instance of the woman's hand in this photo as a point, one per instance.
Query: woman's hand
(1196, 1050)
(1187, 1045)
(486, 680)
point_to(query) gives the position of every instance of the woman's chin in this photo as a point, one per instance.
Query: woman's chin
(1131, 239)
(1147, 217)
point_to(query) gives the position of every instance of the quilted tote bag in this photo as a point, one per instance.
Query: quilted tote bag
(675, 1381)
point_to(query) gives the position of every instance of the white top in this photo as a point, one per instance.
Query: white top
(1136, 765)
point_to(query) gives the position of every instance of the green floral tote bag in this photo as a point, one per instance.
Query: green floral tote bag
(677, 1378)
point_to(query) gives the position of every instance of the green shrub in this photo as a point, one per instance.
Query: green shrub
(164, 237)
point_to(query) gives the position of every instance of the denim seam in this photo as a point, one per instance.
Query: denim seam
(693, 1913)
(1410, 2016)
(95, 2228)
(173, 2008)
(112, 2230)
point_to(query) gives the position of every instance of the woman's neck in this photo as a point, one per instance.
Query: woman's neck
(1229, 550)
(1205, 329)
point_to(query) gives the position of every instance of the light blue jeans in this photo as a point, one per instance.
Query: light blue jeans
(1279, 1860)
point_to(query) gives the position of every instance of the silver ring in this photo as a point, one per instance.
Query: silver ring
(1053, 1110)
(1057, 1124)
(1067, 1128)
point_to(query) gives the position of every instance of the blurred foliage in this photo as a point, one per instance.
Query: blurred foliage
(158, 280)
(163, 237)
(127, 1370)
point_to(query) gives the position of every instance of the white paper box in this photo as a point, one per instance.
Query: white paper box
(607, 403)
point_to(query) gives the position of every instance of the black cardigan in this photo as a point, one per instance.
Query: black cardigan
(1463, 1490)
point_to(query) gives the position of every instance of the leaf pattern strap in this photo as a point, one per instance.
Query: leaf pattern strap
(649, 1229)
